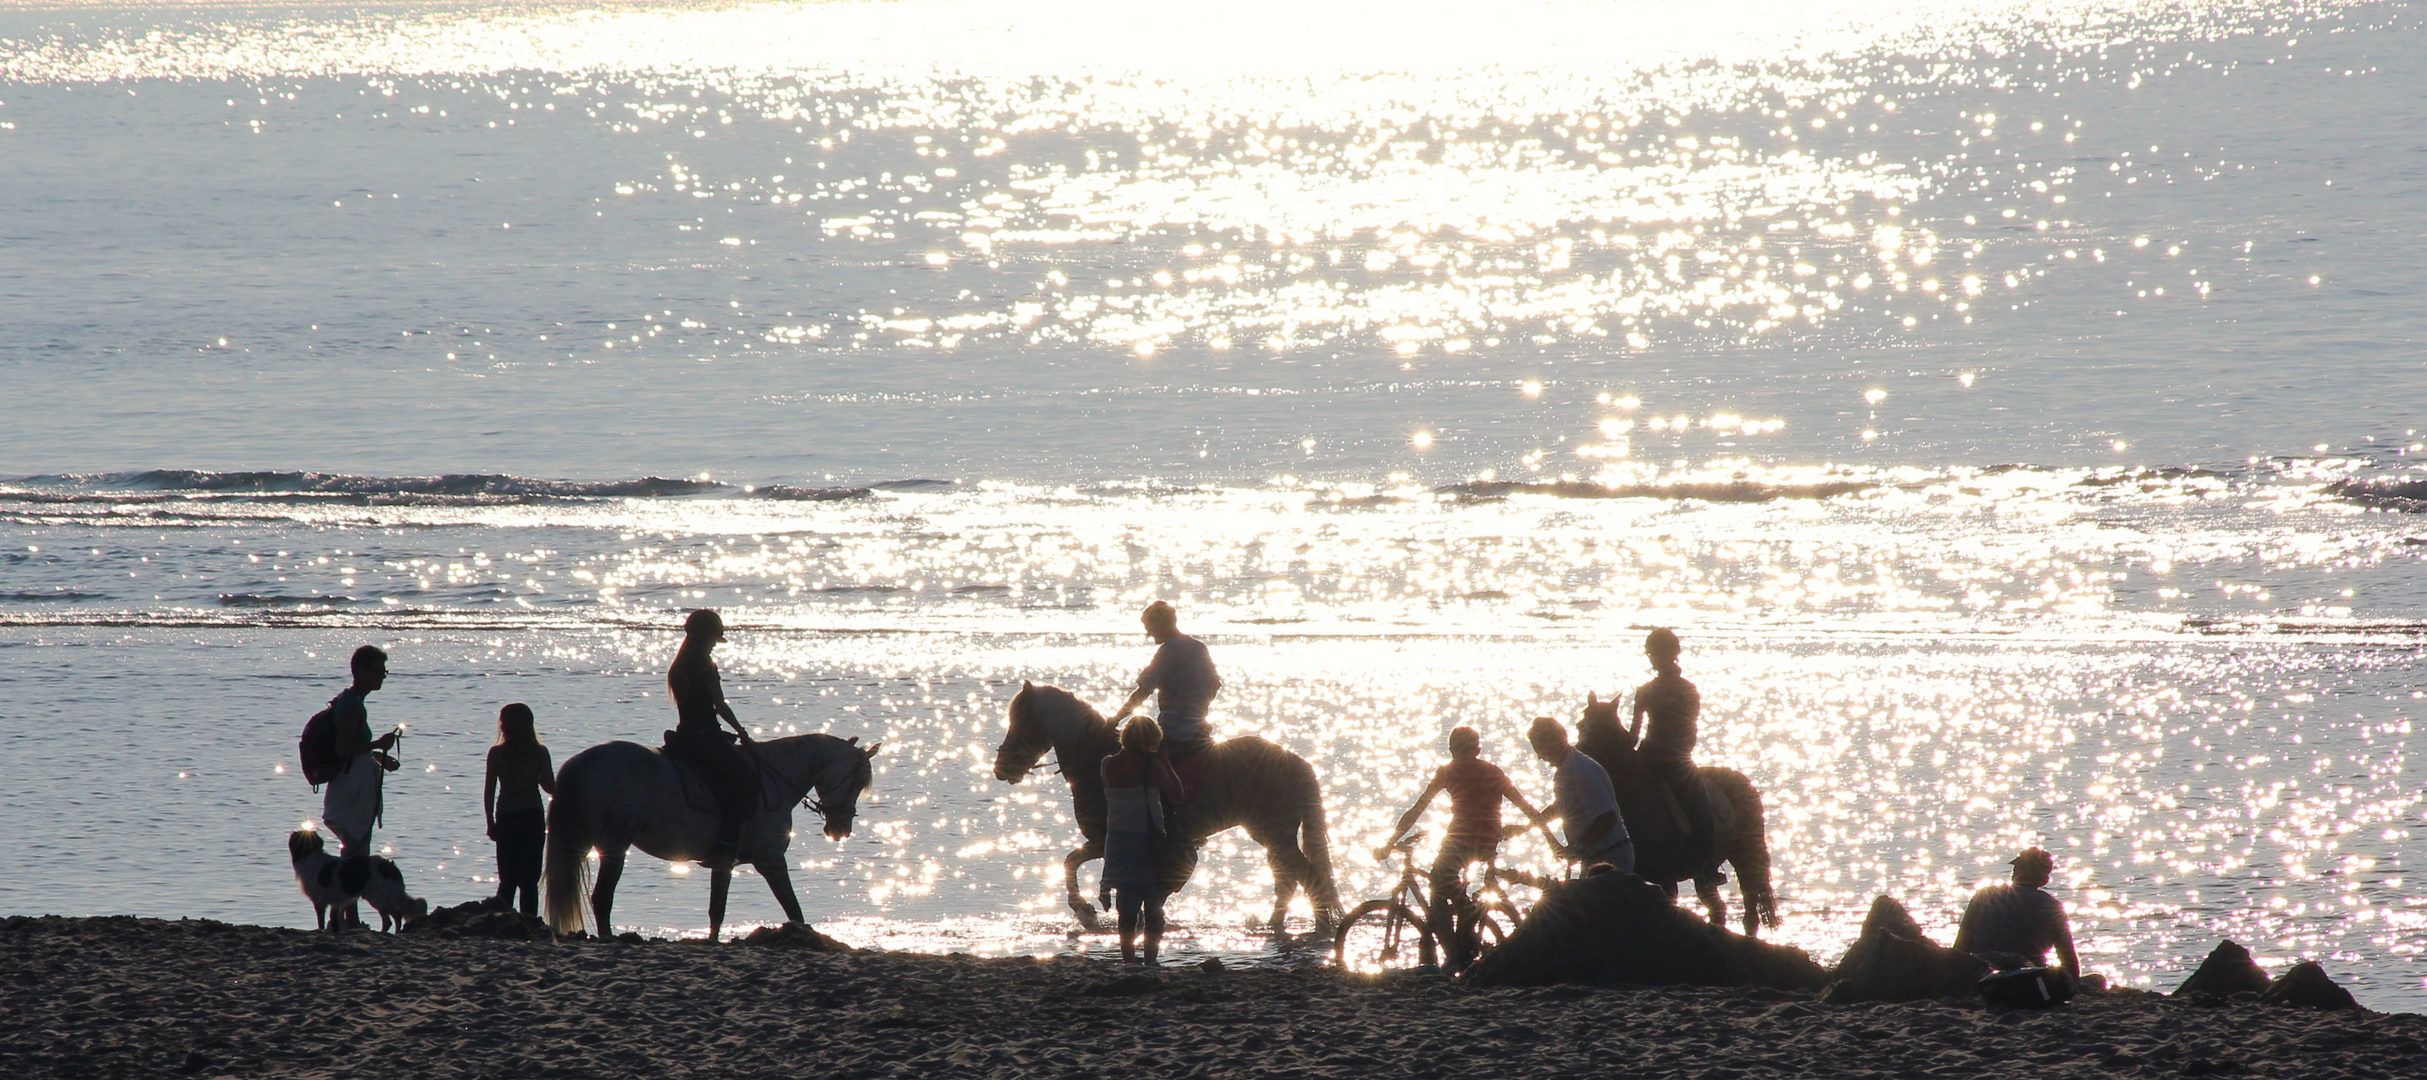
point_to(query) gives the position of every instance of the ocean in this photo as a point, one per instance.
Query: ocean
(2016, 410)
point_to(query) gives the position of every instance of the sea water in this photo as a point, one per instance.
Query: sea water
(2016, 411)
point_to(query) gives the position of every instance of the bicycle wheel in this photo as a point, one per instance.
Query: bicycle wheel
(1382, 935)
(1492, 926)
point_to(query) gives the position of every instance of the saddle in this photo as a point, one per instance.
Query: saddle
(1723, 811)
(696, 793)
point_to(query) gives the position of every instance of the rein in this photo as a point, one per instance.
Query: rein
(808, 798)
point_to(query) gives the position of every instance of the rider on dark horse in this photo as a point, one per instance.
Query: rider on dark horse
(697, 741)
(1674, 707)
(1182, 678)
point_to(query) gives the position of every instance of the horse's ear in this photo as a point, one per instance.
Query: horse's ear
(872, 749)
(854, 740)
(1592, 697)
(1026, 685)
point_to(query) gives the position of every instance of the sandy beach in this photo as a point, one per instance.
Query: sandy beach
(112, 997)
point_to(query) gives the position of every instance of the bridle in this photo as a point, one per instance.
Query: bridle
(809, 798)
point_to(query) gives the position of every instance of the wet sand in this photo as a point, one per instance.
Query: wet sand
(120, 997)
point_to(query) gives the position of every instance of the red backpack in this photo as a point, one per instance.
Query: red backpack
(318, 747)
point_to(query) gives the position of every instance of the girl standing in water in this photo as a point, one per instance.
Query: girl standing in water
(519, 769)
(1136, 781)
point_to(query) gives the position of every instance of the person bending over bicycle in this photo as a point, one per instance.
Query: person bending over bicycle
(1475, 788)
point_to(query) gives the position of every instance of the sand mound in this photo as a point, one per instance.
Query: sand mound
(481, 918)
(1894, 961)
(2307, 987)
(2228, 970)
(793, 936)
(1617, 928)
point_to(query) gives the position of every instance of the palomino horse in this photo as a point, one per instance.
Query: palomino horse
(1245, 781)
(620, 795)
(1661, 855)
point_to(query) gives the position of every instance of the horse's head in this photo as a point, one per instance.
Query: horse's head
(1027, 740)
(845, 777)
(1598, 732)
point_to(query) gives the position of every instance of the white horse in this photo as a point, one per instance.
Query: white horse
(619, 795)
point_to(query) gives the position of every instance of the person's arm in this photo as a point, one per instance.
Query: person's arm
(547, 773)
(1589, 838)
(349, 746)
(1137, 697)
(1634, 727)
(1965, 928)
(2064, 945)
(488, 794)
(1408, 820)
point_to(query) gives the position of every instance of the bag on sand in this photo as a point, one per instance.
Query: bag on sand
(318, 747)
(2027, 988)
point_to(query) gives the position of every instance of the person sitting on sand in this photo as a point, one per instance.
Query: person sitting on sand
(1584, 802)
(1476, 788)
(1136, 781)
(352, 804)
(2015, 925)
(519, 769)
(1674, 708)
(697, 741)
(1183, 681)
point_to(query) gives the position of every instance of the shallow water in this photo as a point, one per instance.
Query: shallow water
(1980, 384)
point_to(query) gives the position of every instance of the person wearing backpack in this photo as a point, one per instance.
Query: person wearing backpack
(358, 762)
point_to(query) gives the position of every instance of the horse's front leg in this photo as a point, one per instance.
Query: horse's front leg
(602, 892)
(720, 884)
(779, 882)
(1088, 852)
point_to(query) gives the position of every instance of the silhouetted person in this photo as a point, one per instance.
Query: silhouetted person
(697, 741)
(1476, 788)
(1183, 681)
(519, 769)
(1584, 802)
(352, 803)
(1674, 709)
(2015, 925)
(1136, 781)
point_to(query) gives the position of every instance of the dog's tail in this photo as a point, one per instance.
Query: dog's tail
(568, 859)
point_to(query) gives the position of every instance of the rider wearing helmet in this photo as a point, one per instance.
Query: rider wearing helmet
(697, 741)
(1674, 707)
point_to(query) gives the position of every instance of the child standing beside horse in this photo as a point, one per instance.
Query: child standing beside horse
(1136, 782)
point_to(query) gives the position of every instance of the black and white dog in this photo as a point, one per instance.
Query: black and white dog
(384, 889)
(331, 882)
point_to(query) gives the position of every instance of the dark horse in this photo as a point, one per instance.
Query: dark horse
(1246, 781)
(617, 796)
(1661, 854)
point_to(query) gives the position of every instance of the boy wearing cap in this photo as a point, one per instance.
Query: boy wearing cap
(2015, 925)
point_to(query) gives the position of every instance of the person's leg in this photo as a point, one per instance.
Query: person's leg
(1127, 901)
(1441, 910)
(1154, 929)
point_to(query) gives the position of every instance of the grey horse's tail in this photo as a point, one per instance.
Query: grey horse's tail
(1747, 846)
(1314, 839)
(568, 860)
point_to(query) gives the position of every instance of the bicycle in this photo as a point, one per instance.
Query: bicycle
(1375, 936)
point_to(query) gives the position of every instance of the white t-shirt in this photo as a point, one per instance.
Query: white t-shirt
(1583, 794)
